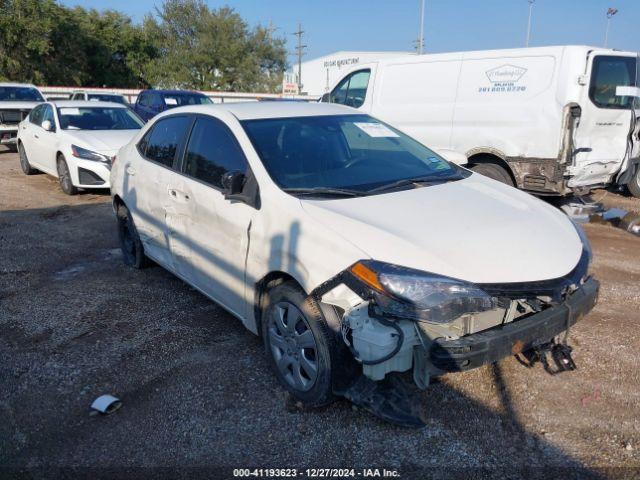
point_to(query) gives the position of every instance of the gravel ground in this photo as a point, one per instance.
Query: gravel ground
(75, 323)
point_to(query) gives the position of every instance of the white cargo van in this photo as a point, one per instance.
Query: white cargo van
(549, 120)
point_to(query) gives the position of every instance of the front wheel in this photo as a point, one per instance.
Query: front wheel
(494, 171)
(634, 183)
(299, 344)
(64, 176)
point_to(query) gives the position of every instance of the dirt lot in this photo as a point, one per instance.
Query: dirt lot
(76, 323)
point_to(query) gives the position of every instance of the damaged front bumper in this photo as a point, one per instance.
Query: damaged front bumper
(487, 346)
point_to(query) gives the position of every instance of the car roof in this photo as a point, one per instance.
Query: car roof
(174, 92)
(97, 92)
(84, 104)
(259, 110)
(11, 84)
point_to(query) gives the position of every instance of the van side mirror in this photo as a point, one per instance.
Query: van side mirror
(232, 183)
(47, 125)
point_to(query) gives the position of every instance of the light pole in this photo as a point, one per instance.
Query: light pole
(610, 13)
(529, 22)
(421, 38)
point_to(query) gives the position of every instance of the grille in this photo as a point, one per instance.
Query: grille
(13, 117)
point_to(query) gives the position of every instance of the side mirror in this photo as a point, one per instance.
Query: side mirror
(326, 98)
(47, 125)
(232, 183)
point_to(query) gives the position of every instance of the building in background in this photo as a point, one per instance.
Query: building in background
(320, 74)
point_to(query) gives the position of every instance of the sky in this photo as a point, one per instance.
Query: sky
(450, 25)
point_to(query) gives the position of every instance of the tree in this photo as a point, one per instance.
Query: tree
(211, 49)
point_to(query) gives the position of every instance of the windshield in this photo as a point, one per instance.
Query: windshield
(102, 97)
(98, 118)
(20, 94)
(351, 152)
(177, 100)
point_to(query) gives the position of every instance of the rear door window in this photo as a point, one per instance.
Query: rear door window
(609, 72)
(212, 151)
(164, 140)
(35, 116)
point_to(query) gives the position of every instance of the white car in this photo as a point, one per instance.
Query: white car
(99, 96)
(75, 141)
(354, 250)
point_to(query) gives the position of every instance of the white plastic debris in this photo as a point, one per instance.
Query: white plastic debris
(106, 404)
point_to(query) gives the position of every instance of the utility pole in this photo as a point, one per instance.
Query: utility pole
(610, 13)
(529, 22)
(421, 38)
(300, 52)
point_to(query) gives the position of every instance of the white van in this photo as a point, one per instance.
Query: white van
(547, 120)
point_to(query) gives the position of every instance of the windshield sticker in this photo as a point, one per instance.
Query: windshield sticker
(171, 101)
(376, 130)
(69, 111)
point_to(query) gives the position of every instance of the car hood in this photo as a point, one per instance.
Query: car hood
(102, 141)
(474, 229)
(17, 105)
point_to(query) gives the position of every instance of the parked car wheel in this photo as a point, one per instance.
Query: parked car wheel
(634, 183)
(26, 167)
(64, 176)
(299, 344)
(495, 172)
(130, 244)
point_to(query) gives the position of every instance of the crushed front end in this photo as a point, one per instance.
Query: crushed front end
(396, 319)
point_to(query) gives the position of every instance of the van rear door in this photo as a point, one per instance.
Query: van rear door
(601, 138)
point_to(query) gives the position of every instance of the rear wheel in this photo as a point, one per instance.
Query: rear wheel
(634, 183)
(64, 176)
(26, 167)
(130, 244)
(299, 344)
(494, 171)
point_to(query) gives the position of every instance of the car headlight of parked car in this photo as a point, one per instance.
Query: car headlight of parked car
(86, 154)
(406, 293)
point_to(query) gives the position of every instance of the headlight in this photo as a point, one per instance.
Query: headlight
(85, 154)
(412, 294)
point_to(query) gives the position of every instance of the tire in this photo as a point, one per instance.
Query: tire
(64, 176)
(26, 167)
(494, 171)
(301, 353)
(130, 244)
(634, 183)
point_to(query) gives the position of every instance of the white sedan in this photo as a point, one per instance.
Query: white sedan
(353, 250)
(75, 141)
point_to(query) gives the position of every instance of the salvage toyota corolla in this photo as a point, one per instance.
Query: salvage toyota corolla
(352, 249)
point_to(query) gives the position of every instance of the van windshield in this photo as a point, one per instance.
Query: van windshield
(354, 153)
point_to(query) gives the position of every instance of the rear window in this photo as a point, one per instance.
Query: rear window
(161, 144)
(609, 72)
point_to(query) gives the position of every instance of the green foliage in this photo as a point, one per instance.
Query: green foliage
(184, 44)
(212, 49)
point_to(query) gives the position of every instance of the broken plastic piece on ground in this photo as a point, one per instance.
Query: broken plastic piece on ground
(389, 399)
(560, 354)
(106, 404)
(579, 209)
